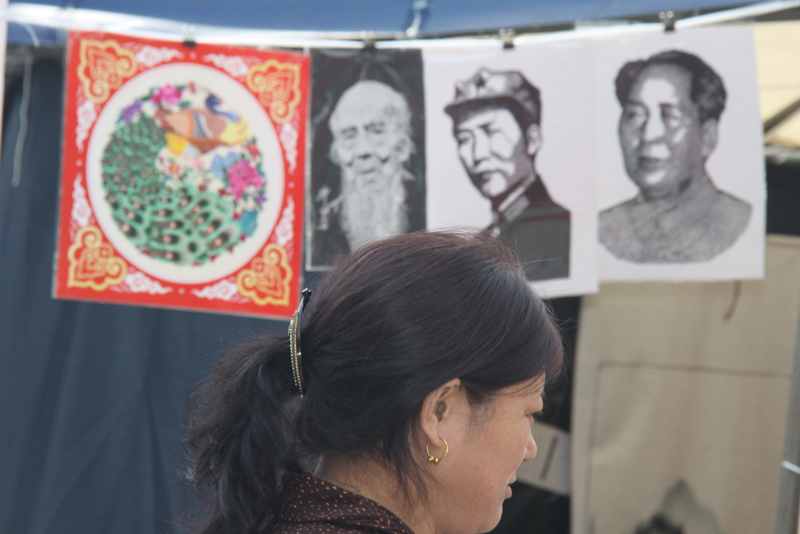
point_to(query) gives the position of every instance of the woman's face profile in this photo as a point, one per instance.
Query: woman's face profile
(485, 452)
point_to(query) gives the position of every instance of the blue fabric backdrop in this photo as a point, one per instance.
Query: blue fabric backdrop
(442, 16)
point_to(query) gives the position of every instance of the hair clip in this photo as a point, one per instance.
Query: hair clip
(294, 341)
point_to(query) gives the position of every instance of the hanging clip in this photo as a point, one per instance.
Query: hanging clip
(507, 36)
(418, 8)
(368, 38)
(668, 18)
(188, 35)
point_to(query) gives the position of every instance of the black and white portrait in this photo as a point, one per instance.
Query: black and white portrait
(680, 513)
(675, 435)
(671, 105)
(497, 127)
(681, 161)
(367, 171)
(511, 151)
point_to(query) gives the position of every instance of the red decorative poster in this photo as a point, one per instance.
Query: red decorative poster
(182, 175)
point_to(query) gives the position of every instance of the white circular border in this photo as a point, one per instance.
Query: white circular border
(271, 160)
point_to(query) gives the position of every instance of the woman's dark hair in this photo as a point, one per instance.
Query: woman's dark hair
(385, 327)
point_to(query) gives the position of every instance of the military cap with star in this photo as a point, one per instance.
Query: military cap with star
(488, 89)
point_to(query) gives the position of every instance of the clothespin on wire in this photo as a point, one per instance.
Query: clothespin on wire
(668, 18)
(507, 36)
(189, 32)
(368, 38)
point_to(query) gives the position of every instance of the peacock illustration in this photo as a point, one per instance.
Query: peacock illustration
(181, 224)
(205, 129)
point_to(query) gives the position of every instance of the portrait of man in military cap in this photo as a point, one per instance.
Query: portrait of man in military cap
(668, 128)
(496, 119)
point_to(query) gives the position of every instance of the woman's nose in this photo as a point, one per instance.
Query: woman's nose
(530, 449)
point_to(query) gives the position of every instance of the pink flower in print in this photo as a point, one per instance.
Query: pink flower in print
(167, 95)
(240, 175)
(254, 153)
(174, 169)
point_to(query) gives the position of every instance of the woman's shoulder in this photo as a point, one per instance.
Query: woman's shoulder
(314, 528)
(309, 505)
(311, 527)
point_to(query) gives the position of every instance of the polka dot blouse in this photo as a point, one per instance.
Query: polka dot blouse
(308, 505)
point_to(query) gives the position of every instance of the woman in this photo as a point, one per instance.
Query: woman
(419, 365)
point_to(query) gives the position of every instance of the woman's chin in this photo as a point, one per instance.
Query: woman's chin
(490, 525)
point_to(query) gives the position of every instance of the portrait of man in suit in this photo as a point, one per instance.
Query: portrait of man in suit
(669, 126)
(497, 126)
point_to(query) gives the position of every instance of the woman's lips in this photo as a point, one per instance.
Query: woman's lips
(508, 488)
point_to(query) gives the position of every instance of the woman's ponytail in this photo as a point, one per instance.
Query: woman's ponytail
(240, 437)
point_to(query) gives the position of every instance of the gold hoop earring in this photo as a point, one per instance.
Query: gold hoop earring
(433, 459)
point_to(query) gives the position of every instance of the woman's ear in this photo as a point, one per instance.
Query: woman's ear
(438, 407)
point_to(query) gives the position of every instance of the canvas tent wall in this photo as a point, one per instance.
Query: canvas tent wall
(92, 396)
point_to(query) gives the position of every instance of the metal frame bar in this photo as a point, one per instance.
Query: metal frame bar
(89, 19)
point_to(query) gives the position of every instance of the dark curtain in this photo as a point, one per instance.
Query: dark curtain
(92, 396)
(783, 197)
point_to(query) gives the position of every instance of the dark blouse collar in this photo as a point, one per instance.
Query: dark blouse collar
(308, 500)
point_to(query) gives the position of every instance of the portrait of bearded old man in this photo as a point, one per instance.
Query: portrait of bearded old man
(671, 108)
(371, 144)
(497, 127)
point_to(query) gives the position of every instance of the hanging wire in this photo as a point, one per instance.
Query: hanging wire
(150, 27)
(32, 33)
(19, 145)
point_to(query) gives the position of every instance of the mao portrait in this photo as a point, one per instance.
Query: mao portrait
(367, 173)
(671, 107)
(497, 128)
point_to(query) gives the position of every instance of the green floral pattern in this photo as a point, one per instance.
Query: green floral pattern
(183, 176)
